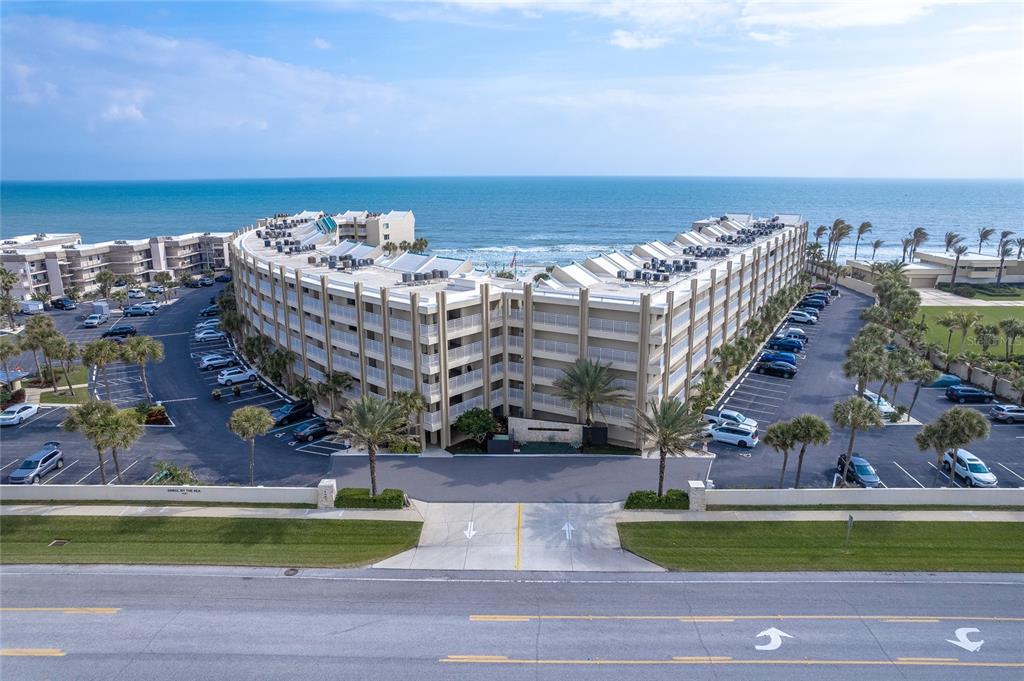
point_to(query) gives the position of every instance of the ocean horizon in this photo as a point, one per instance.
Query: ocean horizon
(542, 219)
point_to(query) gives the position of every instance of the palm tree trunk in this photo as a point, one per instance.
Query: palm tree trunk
(145, 381)
(856, 245)
(117, 465)
(917, 391)
(785, 461)
(55, 382)
(39, 369)
(799, 465)
(67, 378)
(938, 467)
(849, 455)
(252, 462)
(663, 456)
(371, 451)
(103, 471)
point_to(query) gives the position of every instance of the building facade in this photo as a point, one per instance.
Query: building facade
(936, 267)
(54, 263)
(465, 339)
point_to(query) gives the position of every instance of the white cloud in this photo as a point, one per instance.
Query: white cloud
(632, 40)
(28, 88)
(834, 14)
(123, 112)
(777, 38)
(322, 44)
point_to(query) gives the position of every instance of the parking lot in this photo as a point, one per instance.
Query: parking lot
(818, 385)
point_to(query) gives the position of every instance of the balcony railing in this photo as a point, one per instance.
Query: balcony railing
(611, 355)
(373, 319)
(542, 400)
(430, 362)
(457, 410)
(515, 395)
(349, 364)
(375, 347)
(556, 347)
(469, 323)
(432, 391)
(555, 319)
(402, 326)
(401, 354)
(465, 351)
(402, 382)
(346, 338)
(515, 368)
(342, 311)
(548, 372)
(618, 326)
(464, 381)
(514, 341)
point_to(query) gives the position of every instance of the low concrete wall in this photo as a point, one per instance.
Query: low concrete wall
(855, 496)
(128, 493)
(535, 430)
(857, 285)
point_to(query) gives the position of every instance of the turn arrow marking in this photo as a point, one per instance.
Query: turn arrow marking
(775, 636)
(469, 531)
(568, 528)
(964, 642)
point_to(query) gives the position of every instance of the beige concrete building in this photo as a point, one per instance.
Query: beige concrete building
(936, 267)
(375, 229)
(54, 263)
(465, 339)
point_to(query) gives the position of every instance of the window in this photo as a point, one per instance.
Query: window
(387, 237)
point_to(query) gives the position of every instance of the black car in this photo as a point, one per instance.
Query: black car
(860, 471)
(814, 303)
(294, 411)
(784, 369)
(120, 331)
(222, 278)
(120, 282)
(209, 311)
(967, 393)
(313, 430)
(63, 304)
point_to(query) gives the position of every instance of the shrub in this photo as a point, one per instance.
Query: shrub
(404, 445)
(675, 499)
(9, 398)
(215, 394)
(236, 390)
(964, 291)
(359, 497)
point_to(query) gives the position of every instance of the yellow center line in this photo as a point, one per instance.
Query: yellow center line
(67, 611)
(32, 652)
(899, 662)
(519, 535)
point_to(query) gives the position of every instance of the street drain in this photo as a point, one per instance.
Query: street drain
(291, 572)
(58, 542)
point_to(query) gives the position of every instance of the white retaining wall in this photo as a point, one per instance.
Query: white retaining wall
(888, 497)
(122, 493)
(535, 430)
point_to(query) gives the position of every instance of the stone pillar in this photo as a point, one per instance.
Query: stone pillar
(528, 350)
(300, 304)
(326, 491)
(698, 495)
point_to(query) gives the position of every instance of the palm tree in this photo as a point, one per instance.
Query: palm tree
(955, 428)
(959, 250)
(1012, 329)
(919, 236)
(248, 423)
(372, 422)
(337, 383)
(952, 239)
(819, 232)
(1005, 236)
(92, 420)
(671, 427)
(37, 330)
(865, 228)
(1004, 251)
(123, 430)
(306, 389)
(856, 414)
(105, 282)
(985, 234)
(921, 372)
(164, 279)
(948, 322)
(1018, 385)
(964, 321)
(53, 349)
(141, 350)
(808, 430)
(1019, 243)
(66, 352)
(875, 245)
(710, 387)
(588, 384)
(864, 365)
(255, 348)
(120, 297)
(986, 335)
(101, 353)
(907, 242)
(782, 438)
(8, 350)
(412, 405)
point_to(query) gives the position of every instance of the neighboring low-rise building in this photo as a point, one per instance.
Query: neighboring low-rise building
(465, 339)
(936, 267)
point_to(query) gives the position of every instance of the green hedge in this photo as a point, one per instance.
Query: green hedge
(674, 499)
(359, 497)
(991, 289)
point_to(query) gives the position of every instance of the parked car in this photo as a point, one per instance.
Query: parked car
(823, 297)
(783, 369)
(880, 403)
(1009, 413)
(16, 413)
(798, 317)
(821, 286)
(793, 332)
(944, 381)
(812, 311)
(737, 434)
(31, 471)
(968, 393)
(787, 357)
(140, 311)
(120, 282)
(156, 288)
(313, 430)
(204, 335)
(136, 293)
(968, 467)
(236, 375)
(193, 283)
(94, 320)
(223, 278)
(860, 471)
(152, 304)
(205, 281)
(726, 416)
(785, 345)
(209, 311)
(816, 303)
(291, 412)
(120, 331)
(208, 324)
(63, 304)
(217, 361)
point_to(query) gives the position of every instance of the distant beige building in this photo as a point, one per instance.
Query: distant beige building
(465, 339)
(936, 267)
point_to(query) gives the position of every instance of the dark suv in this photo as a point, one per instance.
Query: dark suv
(294, 411)
(120, 331)
(860, 471)
(63, 304)
(967, 393)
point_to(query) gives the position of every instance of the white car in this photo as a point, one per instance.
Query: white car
(737, 434)
(728, 416)
(156, 288)
(1008, 413)
(799, 317)
(880, 403)
(16, 413)
(969, 467)
(217, 361)
(236, 375)
(208, 324)
(793, 332)
(136, 293)
(208, 335)
(94, 320)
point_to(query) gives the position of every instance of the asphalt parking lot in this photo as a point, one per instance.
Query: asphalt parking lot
(818, 385)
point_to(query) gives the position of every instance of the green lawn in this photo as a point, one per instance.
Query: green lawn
(991, 315)
(204, 541)
(79, 374)
(63, 397)
(798, 545)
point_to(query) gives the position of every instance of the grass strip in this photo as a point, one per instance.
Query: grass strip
(873, 545)
(80, 396)
(204, 541)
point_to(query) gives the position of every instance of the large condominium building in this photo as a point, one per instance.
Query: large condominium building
(375, 229)
(465, 339)
(54, 263)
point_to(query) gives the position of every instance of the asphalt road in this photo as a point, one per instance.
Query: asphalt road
(227, 623)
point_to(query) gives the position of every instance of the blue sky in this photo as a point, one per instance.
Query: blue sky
(895, 88)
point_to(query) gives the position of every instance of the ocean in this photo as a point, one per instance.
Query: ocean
(542, 219)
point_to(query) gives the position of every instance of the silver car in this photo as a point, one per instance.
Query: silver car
(30, 472)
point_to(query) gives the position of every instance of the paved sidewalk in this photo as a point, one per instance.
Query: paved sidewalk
(934, 297)
(210, 512)
(926, 516)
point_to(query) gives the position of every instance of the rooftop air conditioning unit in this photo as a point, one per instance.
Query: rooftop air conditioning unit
(407, 277)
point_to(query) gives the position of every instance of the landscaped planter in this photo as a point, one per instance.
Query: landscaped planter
(596, 434)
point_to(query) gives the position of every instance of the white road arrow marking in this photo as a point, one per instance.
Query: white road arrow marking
(568, 528)
(776, 639)
(964, 642)
(469, 531)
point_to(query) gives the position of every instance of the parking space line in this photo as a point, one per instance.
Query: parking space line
(943, 474)
(35, 418)
(741, 393)
(291, 425)
(9, 465)
(908, 474)
(757, 385)
(123, 471)
(1010, 471)
(758, 411)
(79, 481)
(256, 396)
(62, 470)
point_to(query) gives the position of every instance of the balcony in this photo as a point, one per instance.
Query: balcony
(431, 391)
(515, 368)
(561, 321)
(624, 415)
(342, 312)
(373, 319)
(317, 354)
(464, 325)
(611, 355)
(556, 348)
(432, 420)
(465, 353)
(547, 374)
(614, 326)
(314, 329)
(402, 326)
(375, 347)
(312, 305)
(514, 341)
(547, 402)
(402, 382)
(376, 375)
(345, 338)
(428, 333)
(457, 410)
(472, 379)
(515, 395)
(497, 397)
(342, 363)
(430, 363)
(401, 356)
(625, 385)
